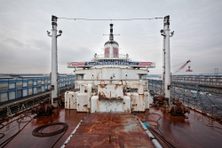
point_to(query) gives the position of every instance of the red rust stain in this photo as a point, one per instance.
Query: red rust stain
(102, 96)
(110, 130)
(118, 130)
(26, 139)
(194, 131)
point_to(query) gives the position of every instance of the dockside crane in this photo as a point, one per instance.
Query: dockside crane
(184, 65)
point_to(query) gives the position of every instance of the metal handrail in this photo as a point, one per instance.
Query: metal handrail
(23, 100)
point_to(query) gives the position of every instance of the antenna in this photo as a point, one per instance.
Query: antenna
(111, 32)
(111, 35)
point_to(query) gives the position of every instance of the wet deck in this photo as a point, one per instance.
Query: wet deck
(116, 130)
(25, 138)
(110, 130)
(197, 131)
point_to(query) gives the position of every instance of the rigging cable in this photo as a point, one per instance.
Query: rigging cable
(38, 132)
(20, 119)
(111, 19)
(3, 144)
(158, 133)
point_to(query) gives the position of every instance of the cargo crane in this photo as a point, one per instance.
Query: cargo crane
(184, 65)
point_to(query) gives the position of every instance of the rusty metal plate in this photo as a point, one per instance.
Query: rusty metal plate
(119, 130)
(110, 130)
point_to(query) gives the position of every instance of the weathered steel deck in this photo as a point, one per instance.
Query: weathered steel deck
(25, 138)
(110, 130)
(117, 130)
(197, 131)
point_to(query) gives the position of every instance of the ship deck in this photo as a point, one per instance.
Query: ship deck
(115, 130)
(110, 130)
(196, 131)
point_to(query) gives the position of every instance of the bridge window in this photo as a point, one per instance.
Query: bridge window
(107, 52)
(115, 52)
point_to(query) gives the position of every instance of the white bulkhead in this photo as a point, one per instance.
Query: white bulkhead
(70, 100)
(112, 83)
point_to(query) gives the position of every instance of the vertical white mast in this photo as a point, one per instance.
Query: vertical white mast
(163, 74)
(166, 52)
(54, 58)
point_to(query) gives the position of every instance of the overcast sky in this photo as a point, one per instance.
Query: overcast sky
(25, 46)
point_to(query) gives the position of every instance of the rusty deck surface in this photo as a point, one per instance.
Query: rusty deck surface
(110, 130)
(196, 131)
(25, 139)
(117, 130)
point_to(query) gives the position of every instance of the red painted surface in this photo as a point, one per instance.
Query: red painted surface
(25, 139)
(110, 130)
(197, 131)
(116, 130)
(107, 52)
(76, 64)
(115, 52)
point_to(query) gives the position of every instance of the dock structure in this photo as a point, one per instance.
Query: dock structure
(19, 92)
(205, 81)
(202, 92)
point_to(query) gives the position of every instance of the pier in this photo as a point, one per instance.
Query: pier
(201, 92)
(20, 92)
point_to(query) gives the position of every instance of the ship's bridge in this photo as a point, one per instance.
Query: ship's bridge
(102, 56)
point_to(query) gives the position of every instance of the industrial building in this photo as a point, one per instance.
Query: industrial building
(18, 86)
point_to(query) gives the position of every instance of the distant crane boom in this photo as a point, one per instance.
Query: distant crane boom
(184, 65)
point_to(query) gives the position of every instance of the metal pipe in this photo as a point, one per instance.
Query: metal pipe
(153, 139)
(156, 143)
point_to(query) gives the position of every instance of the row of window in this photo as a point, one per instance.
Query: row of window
(18, 87)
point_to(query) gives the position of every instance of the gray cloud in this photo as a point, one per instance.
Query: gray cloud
(25, 47)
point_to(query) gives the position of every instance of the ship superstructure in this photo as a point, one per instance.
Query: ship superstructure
(109, 83)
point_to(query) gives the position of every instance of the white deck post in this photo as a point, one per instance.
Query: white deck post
(54, 59)
(166, 57)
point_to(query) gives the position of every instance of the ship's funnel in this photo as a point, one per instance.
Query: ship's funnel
(111, 49)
